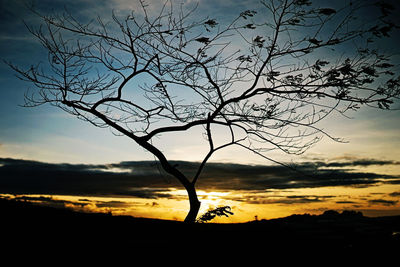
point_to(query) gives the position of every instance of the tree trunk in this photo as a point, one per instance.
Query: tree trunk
(172, 170)
(194, 204)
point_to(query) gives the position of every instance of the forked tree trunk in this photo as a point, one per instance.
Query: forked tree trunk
(194, 204)
(172, 170)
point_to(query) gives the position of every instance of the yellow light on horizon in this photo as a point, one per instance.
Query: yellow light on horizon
(246, 205)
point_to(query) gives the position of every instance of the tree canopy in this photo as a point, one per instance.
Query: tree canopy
(268, 76)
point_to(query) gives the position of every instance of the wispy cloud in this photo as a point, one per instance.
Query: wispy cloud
(383, 202)
(79, 204)
(23, 38)
(358, 162)
(395, 194)
(288, 200)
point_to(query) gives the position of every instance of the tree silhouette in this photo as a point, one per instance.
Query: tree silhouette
(144, 75)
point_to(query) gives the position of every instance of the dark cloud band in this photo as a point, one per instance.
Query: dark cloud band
(146, 180)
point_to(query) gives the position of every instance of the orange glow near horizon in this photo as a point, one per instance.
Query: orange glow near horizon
(246, 205)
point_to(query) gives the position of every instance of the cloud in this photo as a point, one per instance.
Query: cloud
(383, 202)
(145, 179)
(49, 200)
(78, 205)
(358, 162)
(395, 194)
(304, 199)
(307, 175)
(31, 177)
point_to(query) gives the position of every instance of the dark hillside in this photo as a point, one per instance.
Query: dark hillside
(23, 223)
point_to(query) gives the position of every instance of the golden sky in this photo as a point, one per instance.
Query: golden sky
(266, 191)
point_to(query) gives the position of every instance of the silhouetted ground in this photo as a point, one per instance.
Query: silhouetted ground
(25, 225)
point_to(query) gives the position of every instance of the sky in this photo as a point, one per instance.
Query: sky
(49, 156)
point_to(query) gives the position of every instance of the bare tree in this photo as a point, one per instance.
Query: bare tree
(268, 77)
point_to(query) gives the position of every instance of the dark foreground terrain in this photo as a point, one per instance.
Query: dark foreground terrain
(25, 225)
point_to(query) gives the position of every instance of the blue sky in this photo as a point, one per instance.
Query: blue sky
(47, 134)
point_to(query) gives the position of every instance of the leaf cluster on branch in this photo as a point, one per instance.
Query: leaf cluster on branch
(212, 213)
